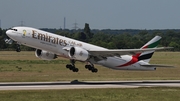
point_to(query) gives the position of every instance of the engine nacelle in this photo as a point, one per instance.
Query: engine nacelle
(42, 54)
(78, 53)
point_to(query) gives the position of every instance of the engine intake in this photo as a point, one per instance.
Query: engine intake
(78, 53)
(45, 55)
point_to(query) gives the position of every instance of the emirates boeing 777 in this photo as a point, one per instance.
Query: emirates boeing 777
(49, 46)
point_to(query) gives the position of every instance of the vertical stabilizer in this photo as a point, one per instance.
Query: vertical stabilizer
(146, 56)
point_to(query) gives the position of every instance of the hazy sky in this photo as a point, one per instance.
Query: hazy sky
(100, 14)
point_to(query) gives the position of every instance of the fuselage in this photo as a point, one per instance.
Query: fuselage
(55, 43)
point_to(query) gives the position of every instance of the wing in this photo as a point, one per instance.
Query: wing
(106, 53)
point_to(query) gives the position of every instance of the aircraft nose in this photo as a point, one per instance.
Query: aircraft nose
(8, 32)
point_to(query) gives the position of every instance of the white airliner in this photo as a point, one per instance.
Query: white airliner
(49, 46)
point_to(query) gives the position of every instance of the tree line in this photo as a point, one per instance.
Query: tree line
(112, 39)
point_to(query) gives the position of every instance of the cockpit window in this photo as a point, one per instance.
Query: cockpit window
(13, 29)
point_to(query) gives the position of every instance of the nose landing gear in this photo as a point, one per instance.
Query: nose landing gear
(18, 49)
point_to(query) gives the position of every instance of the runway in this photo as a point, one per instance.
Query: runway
(87, 84)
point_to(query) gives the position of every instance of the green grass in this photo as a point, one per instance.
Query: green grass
(122, 94)
(25, 67)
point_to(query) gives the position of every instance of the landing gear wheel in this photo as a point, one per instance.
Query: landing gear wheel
(94, 70)
(87, 66)
(68, 66)
(91, 68)
(72, 66)
(18, 49)
(75, 70)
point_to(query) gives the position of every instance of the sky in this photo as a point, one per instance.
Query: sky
(99, 14)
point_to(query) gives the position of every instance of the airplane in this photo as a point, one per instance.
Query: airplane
(49, 46)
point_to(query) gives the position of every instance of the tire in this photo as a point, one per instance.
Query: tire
(68, 66)
(94, 70)
(75, 70)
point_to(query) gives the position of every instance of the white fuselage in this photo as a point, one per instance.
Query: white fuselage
(55, 43)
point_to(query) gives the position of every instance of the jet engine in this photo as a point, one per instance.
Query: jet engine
(78, 53)
(42, 54)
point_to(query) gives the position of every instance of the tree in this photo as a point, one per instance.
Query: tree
(175, 45)
(86, 28)
(80, 36)
(1, 32)
(87, 31)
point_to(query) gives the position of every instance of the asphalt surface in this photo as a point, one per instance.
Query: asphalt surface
(87, 84)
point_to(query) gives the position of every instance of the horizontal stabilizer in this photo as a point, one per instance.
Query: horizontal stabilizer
(157, 65)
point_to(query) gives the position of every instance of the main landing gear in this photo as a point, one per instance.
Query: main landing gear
(91, 68)
(72, 66)
(74, 69)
